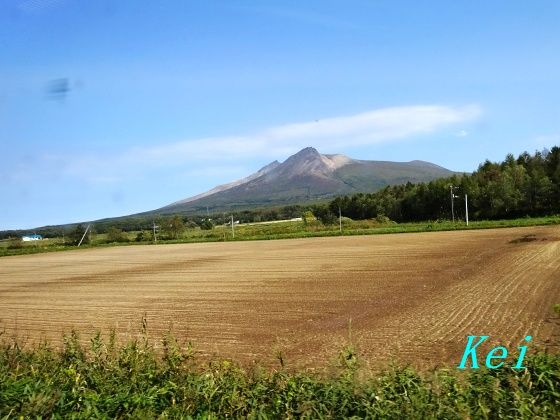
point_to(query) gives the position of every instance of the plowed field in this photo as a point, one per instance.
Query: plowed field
(409, 297)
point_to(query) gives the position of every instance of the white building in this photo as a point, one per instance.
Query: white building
(31, 238)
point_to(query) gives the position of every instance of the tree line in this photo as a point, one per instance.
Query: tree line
(528, 185)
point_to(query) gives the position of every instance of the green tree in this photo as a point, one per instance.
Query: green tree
(173, 226)
(76, 235)
(308, 217)
(116, 235)
(324, 214)
(207, 224)
(144, 235)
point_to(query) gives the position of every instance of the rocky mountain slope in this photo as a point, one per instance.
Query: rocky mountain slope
(307, 176)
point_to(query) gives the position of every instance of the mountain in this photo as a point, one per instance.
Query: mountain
(307, 176)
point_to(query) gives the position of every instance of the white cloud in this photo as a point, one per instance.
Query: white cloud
(462, 133)
(327, 135)
(383, 125)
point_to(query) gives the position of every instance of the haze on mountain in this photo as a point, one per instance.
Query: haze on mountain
(305, 177)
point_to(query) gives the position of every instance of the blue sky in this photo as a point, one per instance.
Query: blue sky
(109, 108)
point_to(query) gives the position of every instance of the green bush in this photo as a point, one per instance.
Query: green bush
(144, 236)
(382, 219)
(207, 224)
(308, 217)
(15, 243)
(106, 381)
(116, 235)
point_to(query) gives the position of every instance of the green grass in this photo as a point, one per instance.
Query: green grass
(134, 381)
(286, 230)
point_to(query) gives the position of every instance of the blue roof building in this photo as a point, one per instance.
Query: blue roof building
(33, 237)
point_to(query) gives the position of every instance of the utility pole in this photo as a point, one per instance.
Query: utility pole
(232, 229)
(155, 237)
(453, 196)
(339, 219)
(466, 210)
(85, 233)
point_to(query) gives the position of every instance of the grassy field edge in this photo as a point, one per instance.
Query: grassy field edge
(289, 231)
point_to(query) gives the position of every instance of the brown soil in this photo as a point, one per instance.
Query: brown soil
(406, 297)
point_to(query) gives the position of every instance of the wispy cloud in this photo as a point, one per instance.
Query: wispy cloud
(328, 135)
(378, 126)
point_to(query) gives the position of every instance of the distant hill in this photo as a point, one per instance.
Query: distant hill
(303, 178)
(306, 176)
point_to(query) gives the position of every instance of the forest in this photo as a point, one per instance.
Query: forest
(528, 186)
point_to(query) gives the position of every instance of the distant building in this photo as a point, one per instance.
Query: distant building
(31, 238)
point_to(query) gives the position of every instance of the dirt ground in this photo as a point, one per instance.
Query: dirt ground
(405, 297)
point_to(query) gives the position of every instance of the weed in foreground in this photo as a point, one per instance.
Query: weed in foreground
(133, 380)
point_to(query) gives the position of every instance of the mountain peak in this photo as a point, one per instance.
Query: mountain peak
(307, 161)
(310, 149)
(307, 152)
(306, 175)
